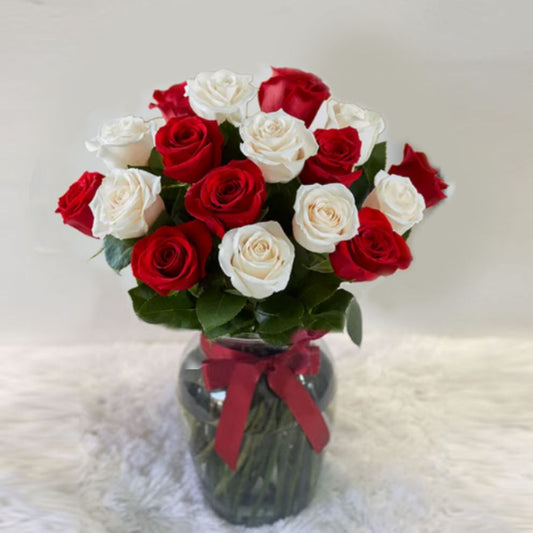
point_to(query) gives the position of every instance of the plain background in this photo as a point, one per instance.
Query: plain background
(453, 78)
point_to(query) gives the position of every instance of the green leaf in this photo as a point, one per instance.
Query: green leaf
(337, 302)
(320, 263)
(376, 162)
(173, 193)
(328, 321)
(330, 314)
(299, 269)
(118, 252)
(216, 307)
(242, 323)
(175, 310)
(155, 161)
(280, 203)
(361, 188)
(281, 339)
(317, 288)
(155, 164)
(406, 234)
(277, 313)
(232, 142)
(178, 213)
(354, 322)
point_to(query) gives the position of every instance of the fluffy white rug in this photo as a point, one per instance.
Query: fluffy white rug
(432, 435)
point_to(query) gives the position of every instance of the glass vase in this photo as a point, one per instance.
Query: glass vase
(277, 469)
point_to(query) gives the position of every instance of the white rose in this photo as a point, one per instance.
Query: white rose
(324, 215)
(369, 124)
(126, 203)
(397, 198)
(258, 258)
(278, 144)
(220, 95)
(124, 141)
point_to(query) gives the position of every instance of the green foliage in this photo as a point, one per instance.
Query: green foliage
(317, 288)
(156, 161)
(232, 141)
(178, 213)
(216, 307)
(330, 314)
(312, 299)
(118, 252)
(354, 322)
(280, 312)
(320, 263)
(155, 164)
(376, 162)
(362, 187)
(174, 311)
(244, 322)
(280, 203)
(280, 339)
(406, 234)
(173, 195)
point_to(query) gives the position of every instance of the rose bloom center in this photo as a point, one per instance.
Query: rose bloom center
(324, 214)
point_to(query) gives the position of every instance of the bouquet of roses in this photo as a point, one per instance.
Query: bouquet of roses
(241, 211)
(237, 222)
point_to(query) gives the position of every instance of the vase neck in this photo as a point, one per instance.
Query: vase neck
(250, 344)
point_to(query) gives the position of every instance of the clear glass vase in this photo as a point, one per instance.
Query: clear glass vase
(277, 469)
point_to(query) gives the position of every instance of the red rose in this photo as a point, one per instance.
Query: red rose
(338, 151)
(173, 257)
(375, 251)
(425, 178)
(298, 93)
(190, 147)
(228, 197)
(73, 206)
(172, 102)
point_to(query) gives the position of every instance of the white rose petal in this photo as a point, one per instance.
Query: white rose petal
(258, 258)
(397, 198)
(124, 142)
(369, 124)
(278, 144)
(126, 203)
(220, 95)
(324, 215)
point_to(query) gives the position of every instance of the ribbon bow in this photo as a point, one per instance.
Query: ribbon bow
(240, 372)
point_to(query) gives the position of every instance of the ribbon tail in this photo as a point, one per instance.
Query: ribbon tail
(232, 422)
(287, 386)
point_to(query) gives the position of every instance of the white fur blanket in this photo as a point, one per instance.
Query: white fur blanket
(432, 435)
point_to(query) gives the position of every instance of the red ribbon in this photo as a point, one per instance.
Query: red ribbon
(240, 372)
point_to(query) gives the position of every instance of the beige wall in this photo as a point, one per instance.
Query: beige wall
(453, 78)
